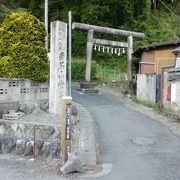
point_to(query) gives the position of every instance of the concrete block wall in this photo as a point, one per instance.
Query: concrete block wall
(146, 87)
(18, 90)
(164, 89)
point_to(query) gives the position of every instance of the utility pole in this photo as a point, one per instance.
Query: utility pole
(46, 24)
(157, 4)
(69, 52)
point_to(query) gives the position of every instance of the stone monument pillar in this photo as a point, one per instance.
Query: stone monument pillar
(58, 58)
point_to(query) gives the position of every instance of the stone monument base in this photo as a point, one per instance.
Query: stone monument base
(88, 87)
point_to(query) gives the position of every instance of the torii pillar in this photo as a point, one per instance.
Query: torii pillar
(89, 55)
(129, 57)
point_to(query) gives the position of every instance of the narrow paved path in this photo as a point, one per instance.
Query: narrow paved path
(119, 126)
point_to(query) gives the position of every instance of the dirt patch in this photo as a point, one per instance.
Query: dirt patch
(20, 168)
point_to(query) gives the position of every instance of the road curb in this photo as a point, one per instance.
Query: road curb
(87, 140)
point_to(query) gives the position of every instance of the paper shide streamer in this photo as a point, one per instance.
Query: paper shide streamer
(116, 50)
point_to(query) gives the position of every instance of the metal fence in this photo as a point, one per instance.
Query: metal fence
(112, 78)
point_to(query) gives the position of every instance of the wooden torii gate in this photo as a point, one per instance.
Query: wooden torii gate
(91, 40)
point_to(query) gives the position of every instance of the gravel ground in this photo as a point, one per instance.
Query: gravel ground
(41, 118)
(25, 168)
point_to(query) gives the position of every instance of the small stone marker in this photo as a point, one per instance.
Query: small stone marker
(73, 164)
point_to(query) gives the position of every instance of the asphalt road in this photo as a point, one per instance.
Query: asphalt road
(118, 127)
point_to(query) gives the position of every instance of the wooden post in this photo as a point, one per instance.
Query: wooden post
(34, 145)
(46, 23)
(65, 128)
(129, 56)
(89, 55)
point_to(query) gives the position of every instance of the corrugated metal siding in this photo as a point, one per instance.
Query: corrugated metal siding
(147, 59)
(162, 57)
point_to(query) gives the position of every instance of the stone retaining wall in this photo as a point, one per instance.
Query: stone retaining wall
(18, 138)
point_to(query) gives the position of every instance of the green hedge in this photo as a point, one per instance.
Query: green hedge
(78, 70)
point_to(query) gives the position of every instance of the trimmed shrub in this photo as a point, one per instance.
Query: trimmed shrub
(22, 51)
(78, 70)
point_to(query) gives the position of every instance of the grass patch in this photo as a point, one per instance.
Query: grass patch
(155, 106)
(171, 114)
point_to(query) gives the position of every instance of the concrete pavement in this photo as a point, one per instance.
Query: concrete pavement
(137, 146)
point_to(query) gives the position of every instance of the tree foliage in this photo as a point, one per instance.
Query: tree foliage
(133, 15)
(123, 14)
(22, 52)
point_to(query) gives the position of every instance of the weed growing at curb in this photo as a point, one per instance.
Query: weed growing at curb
(156, 107)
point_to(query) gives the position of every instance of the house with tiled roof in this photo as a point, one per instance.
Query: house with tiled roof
(152, 58)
